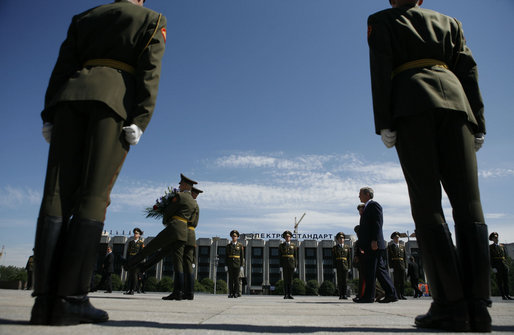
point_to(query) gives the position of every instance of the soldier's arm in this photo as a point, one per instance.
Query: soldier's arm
(465, 68)
(67, 64)
(148, 71)
(171, 209)
(381, 66)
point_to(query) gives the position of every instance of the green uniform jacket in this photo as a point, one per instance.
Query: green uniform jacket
(121, 31)
(405, 34)
(134, 247)
(397, 257)
(178, 213)
(288, 255)
(341, 257)
(191, 226)
(498, 256)
(234, 255)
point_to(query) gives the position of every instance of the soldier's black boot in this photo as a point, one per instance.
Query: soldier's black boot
(449, 310)
(178, 284)
(189, 287)
(473, 250)
(79, 256)
(46, 261)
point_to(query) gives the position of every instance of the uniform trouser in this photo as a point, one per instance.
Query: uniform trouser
(341, 280)
(375, 269)
(189, 255)
(399, 280)
(233, 279)
(434, 148)
(106, 280)
(502, 279)
(414, 283)
(86, 153)
(288, 280)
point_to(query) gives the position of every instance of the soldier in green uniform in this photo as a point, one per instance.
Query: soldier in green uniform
(341, 260)
(172, 239)
(189, 249)
(398, 262)
(100, 98)
(499, 265)
(134, 246)
(234, 262)
(427, 102)
(30, 271)
(288, 253)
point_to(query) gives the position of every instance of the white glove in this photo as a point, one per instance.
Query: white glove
(226, 268)
(47, 131)
(281, 270)
(241, 269)
(479, 140)
(335, 270)
(295, 270)
(388, 137)
(495, 270)
(193, 265)
(132, 134)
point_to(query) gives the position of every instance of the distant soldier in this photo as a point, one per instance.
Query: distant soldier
(288, 258)
(413, 272)
(171, 239)
(234, 262)
(499, 265)
(398, 262)
(30, 268)
(189, 250)
(341, 256)
(134, 247)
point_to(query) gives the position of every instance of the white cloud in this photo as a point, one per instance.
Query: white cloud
(12, 197)
(496, 173)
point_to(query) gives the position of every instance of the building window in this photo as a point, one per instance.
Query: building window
(274, 266)
(203, 262)
(257, 266)
(311, 271)
(328, 272)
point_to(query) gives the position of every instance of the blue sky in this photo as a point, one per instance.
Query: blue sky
(267, 103)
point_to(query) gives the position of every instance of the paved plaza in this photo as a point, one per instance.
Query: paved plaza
(256, 314)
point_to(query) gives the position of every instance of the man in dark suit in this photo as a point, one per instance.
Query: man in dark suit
(107, 271)
(413, 273)
(427, 103)
(371, 240)
(99, 100)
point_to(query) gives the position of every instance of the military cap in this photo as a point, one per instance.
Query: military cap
(184, 179)
(287, 232)
(339, 234)
(137, 230)
(396, 233)
(196, 190)
(234, 232)
(493, 235)
(356, 228)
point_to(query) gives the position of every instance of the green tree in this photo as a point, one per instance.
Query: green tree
(312, 287)
(117, 284)
(298, 286)
(279, 288)
(13, 273)
(199, 287)
(208, 284)
(221, 287)
(327, 288)
(165, 284)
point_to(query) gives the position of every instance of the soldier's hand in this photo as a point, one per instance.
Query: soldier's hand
(495, 270)
(388, 137)
(47, 131)
(193, 265)
(479, 140)
(226, 268)
(132, 134)
(295, 270)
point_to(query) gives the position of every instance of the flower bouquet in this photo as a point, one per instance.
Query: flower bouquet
(157, 210)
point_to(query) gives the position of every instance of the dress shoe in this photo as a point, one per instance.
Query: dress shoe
(41, 311)
(509, 297)
(363, 301)
(174, 296)
(290, 297)
(451, 317)
(388, 299)
(75, 310)
(129, 292)
(479, 318)
(402, 298)
(189, 297)
(504, 297)
(230, 295)
(108, 292)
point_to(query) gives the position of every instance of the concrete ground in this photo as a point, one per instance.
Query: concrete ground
(216, 314)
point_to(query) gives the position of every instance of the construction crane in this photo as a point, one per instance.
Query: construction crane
(296, 225)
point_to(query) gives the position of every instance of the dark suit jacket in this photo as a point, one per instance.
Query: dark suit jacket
(120, 31)
(371, 227)
(108, 264)
(400, 35)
